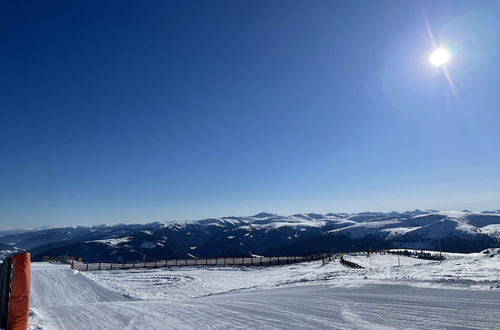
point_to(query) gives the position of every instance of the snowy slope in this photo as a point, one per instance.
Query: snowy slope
(459, 229)
(264, 234)
(305, 296)
(57, 285)
(299, 308)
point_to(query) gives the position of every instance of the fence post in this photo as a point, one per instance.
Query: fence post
(123, 264)
(278, 260)
(72, 262)
(155, 263)
(87, 266)
(111, 266)
(20, 292)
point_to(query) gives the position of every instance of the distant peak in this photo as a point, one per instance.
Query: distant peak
(263, 215)
(491, 212)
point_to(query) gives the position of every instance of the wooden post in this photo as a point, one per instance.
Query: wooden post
(439, 241)
(155, 263)
(111, 266)
(123, 264)
(87, 266)
(278, 260)
(397, 251)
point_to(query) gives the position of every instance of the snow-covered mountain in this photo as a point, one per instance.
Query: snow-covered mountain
(265, 234)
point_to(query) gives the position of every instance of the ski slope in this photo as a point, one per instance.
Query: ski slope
(58, 285)
(313, 307)
(304, 296)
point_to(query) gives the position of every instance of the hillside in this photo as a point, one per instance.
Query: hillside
(265, 234)
(463, 291)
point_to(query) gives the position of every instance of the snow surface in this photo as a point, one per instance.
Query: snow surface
(371, 307)
(310, 295)
(112, 241)
(57, 285)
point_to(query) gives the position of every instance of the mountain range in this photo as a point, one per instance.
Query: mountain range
(262, 234)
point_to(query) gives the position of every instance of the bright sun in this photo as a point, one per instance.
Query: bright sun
(440, 56)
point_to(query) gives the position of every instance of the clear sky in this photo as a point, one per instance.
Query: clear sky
(137, 111)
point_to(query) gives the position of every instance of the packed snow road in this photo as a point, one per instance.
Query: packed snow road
(57, 285)
(63, 299)
(310, 307)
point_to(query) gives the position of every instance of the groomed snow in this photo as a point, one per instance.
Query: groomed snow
(307, 296)
(57, 285)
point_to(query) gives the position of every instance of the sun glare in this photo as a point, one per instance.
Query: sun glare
(440, 57)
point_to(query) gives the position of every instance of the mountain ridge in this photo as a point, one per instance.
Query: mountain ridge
(264, 234)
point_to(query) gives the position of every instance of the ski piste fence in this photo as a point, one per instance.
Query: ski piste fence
(242, 261)
(15, 279)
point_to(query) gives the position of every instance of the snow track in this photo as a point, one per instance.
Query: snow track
(57, 285)
(302, 296)
(312, 307)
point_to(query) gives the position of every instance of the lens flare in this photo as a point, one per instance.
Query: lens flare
(440, 56)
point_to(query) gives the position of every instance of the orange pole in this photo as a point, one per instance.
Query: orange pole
(19, 306)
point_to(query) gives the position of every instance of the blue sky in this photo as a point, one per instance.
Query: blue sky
(168, 110)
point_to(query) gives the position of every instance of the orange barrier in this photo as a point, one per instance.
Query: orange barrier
(20, 292)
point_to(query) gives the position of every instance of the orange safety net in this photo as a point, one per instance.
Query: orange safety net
(20, 292)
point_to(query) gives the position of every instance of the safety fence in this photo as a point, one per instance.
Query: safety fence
(349, 264)
(427, 255)
(247, 261)
(5, 279)
(15, 278)
(250, 261)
